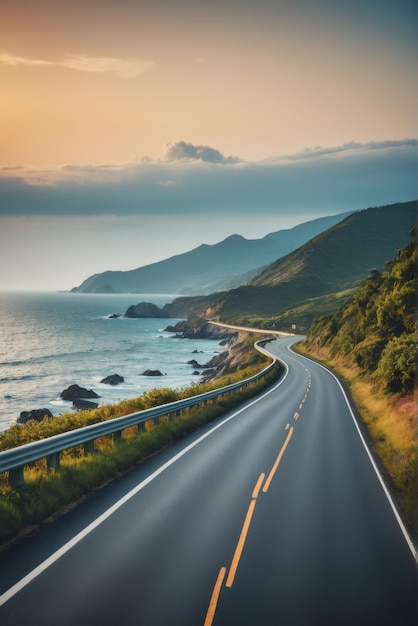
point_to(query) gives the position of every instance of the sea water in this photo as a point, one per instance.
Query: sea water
(49, 341)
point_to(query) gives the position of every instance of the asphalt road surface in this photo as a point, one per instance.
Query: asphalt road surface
(271, 515)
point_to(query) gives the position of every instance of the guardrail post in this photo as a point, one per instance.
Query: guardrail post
(16, 477)
(117, 436)
(89, 447)
(141, 427)
(53, 461)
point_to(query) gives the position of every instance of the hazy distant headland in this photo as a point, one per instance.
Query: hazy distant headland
(209, 268)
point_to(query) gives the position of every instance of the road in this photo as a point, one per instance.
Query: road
(272, 515)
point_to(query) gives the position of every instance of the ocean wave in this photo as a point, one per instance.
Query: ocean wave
(14, 379)
(78, 347)
(11, 363)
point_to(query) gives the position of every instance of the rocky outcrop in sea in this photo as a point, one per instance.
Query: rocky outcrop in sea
(83, 405)
(145, 309)
(35, 414)
(73, 392)
(149, 372)
(113, 379)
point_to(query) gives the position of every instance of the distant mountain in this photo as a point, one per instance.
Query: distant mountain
(332, 262)
(208, 268)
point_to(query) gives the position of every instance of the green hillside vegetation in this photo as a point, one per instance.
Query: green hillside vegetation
(371, 342)
(376, 326)
(311, 280)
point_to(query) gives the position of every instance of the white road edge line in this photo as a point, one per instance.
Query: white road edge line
(12, 591)
(376, 469)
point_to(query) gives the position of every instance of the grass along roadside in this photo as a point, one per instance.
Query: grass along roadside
(390, 425)
(45, 493)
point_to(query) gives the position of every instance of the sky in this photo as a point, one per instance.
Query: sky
(133, 130)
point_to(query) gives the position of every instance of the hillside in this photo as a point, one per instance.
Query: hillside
(208, 268)
(375, 328)
(339, 256)
(370, 341)
(315, 277)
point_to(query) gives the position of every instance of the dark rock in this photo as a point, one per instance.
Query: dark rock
(194, 363)
(208, 371)
(152, 373)
(113, 379)
(197, 352)
(84, 404)
(144, 309)
(36, 414)
(196, 373)
(74, 391)
(200, 329)
(114, 316)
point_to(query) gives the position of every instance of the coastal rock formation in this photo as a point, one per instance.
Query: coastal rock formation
(209, 374)
(113, 379)
(152, 373)
(84, 404)
(194, 363)
(36, 414)
(199, 328)
(73, 392)
(144, 309)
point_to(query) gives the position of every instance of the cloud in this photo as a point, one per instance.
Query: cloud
(10, 59)
(127, 68)
(350, 146)
(187, 151)
(197, 180)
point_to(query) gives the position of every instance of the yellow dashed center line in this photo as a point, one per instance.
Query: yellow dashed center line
(210, 615)
(258, 485)
(215, 597)
(240, 544)
(276, 464)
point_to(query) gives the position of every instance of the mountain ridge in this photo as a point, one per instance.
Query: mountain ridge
(208, 268)
(332, 262)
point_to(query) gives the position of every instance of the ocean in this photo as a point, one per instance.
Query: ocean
(49, 341)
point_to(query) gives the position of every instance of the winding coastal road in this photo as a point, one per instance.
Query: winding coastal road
(271, 515)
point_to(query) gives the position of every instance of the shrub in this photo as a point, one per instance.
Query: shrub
(397, 367)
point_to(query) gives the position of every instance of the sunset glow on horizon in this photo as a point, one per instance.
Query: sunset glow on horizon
(154, 105)
(109, 81)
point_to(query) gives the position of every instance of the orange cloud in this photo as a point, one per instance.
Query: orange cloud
(127, 68)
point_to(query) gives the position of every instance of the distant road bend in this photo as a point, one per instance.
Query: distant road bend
(273, 514)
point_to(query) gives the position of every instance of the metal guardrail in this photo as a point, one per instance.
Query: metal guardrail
(15, 459)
